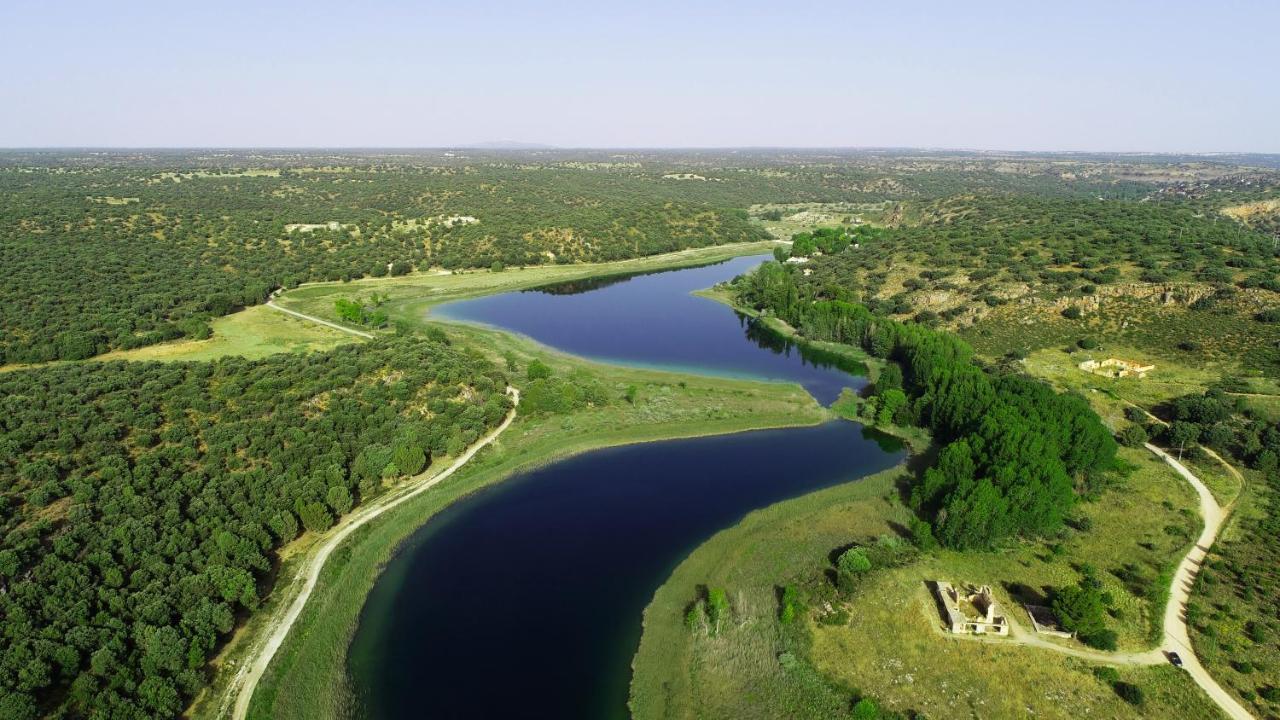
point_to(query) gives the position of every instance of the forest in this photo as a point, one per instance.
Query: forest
(1016, 453)
(120, 250)
(143, 503)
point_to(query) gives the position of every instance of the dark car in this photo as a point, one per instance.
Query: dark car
(1175, 659)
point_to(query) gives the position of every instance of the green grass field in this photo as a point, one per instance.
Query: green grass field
(890, 648)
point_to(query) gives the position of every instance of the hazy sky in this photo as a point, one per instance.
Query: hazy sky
(1144, 76)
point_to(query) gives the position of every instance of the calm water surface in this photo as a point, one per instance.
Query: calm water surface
(525, 599)
(652, 320)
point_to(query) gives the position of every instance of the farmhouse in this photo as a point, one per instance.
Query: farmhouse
(971, 610)
(1114, 367)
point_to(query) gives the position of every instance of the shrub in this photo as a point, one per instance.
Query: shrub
(1072, 313)
(866, 709)
(717, 607)
(790, 605)
(537, 370)
(1087, 343)
(1133, 435)
(854, 561)
(1107, 674)
(1130, 693)
(1268, 316)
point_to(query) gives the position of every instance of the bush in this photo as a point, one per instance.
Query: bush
(1107, 674)
(790, 605)
(1101, 639)
(854, 561)
(1133, 435)
(1130, 693)
(866, 709)
(1072, 313)
(1087, 343)
(717, 607)
(537, 370)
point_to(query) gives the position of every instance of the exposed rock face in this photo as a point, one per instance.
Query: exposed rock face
(1183, 294)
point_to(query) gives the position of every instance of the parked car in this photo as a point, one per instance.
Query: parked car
(1175, 659)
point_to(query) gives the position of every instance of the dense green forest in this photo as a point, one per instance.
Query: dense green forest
(141, 503)
(117, 250)
(113, 259)
(1017, 453)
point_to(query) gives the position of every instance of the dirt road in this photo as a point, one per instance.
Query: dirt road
(1176, 637)
(271, 304)
(259, 657)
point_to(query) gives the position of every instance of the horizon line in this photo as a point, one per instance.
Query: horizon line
(535, 147)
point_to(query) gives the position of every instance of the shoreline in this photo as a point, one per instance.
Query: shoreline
(399, 525)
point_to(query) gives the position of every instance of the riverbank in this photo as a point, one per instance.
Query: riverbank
(884, 640)
(887, 644)
(308, 677)
(410, 296)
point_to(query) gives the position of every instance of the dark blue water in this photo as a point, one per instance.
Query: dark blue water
(525, 599)
(652, 320)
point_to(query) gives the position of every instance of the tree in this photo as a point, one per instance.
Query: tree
(891, 401)
(315, 517)
(1133, 435)
(339, 498)
(409, 457)
(1183, 434)
(537, 370)
(1080, 609)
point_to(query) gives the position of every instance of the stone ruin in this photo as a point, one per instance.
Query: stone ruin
(970, 611)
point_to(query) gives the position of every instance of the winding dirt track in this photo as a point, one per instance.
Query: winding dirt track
(261, 654)
(271, 304)
(1176, 638)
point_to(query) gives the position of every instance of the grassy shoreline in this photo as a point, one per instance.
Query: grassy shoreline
(408, 297)
(310, 668)
(889, 646)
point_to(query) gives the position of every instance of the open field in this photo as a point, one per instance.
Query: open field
(252, 333)
(1110, 396)
(309, 669)
(891, 649)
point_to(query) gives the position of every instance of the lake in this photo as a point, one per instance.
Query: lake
(525, 599)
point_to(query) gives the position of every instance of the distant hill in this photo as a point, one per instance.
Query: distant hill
(508, 145)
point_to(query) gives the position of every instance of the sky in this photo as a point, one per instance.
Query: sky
(1171, 76)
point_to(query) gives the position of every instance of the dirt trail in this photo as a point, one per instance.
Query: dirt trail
(260, 655)
(271, 304)
(1176, 638)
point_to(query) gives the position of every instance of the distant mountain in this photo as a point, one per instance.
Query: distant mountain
(508, 145)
